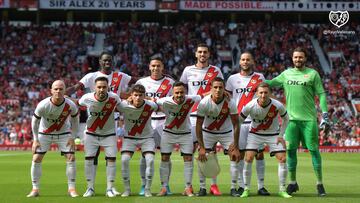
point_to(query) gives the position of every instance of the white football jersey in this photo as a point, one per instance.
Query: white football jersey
(118, 81)
(137, 120)
(100, 119)
(55, 118)
(264, 120)
(243, 88)
(216, 116)
(157, 89)
(178, 115)
(199, 80)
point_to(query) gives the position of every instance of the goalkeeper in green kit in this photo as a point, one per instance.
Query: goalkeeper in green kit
(301, 84)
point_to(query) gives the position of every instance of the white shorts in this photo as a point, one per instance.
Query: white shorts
(210, 140)
(193, 128)
(146, 145)
(81, 131)
(47, 140)
(243, 139)
(256, 141)
(168, 141)
(92, 144)
(157, 126)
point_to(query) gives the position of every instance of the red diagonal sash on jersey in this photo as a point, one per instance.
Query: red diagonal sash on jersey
(144, 117)
(62, 118)
(108, 108)
(184, 112)
(209, 76)
(164, 88)
(222, 115)
(253, 83)
(115, 82)
(269, 119)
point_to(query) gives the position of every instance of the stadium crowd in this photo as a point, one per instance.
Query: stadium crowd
(33, 56)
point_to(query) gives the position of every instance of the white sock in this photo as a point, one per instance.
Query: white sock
(125, 171)
(36, 172)
(89, 172)
(234, 173)
(282, 173)
(260, 170)
(170, 167)
(214, 180)
(142, 170)
(110, 174)
(164, 172)
(149, 173)
(188, 173)
(202, 179)
(247, 174)
(71, 173)
(240, 171)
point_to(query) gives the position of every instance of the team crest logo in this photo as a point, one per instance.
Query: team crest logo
(306, 76)
(115, 79)
(339, 18)
(65, 113)
(253, 81)
(163, 87)
(186, 106)
(271, 115)
(209, 74)
(108, 106)
(224, 111)
(145, 113)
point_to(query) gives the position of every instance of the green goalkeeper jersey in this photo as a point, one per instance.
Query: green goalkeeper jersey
(300, 87)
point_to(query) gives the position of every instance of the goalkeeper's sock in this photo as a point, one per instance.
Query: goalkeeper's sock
(292, 162)
(36, 171)
(316, 161)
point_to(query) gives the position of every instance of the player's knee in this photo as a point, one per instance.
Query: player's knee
(188, 158)
(242, 155)
(165, 157)
(125, 158)
(37, 158)
(282, 158)
(110, 159)
(260, 156)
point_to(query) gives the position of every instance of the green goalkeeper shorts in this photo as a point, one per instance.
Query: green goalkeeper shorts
(306, 132)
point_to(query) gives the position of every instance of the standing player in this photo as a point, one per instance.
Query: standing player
(301, 84)
(50, 124)
(264, 129)
(138, 133)
(100, 132)
(157, 85)
(218, 121)
(198, 78)
(177, 131)
(118, 83)
(243, 87)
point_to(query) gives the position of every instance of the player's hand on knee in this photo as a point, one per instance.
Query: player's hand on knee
(280, 140)
(71, 143)
(35, 146)
(202, 155)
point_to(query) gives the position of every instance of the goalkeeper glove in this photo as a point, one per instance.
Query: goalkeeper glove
(325, 123)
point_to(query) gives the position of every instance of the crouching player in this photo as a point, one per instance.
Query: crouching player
(177, 131)
(138, 133)
(218, 121)
(264, 129)
(50, 124)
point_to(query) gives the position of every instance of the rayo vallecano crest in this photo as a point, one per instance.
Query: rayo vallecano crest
(339, 18)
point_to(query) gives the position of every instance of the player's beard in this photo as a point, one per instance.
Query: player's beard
(299, 64)
(179, 99)
(102, 96)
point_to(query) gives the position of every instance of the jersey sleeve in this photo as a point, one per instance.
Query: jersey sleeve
(282, 110)
(153, 105)
(122, 105)
(195, 98)
(318, 86)
(220, 73)
(82, 101)
(277, 81)
(246, 111)
(229, 86)
(183, 77)
(201, 111)
(74, 109)
(232, 107)
(161, 101)
(126, 79)
(86, 80)
(38, 113)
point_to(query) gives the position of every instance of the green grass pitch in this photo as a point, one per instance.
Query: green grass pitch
(341, 179)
